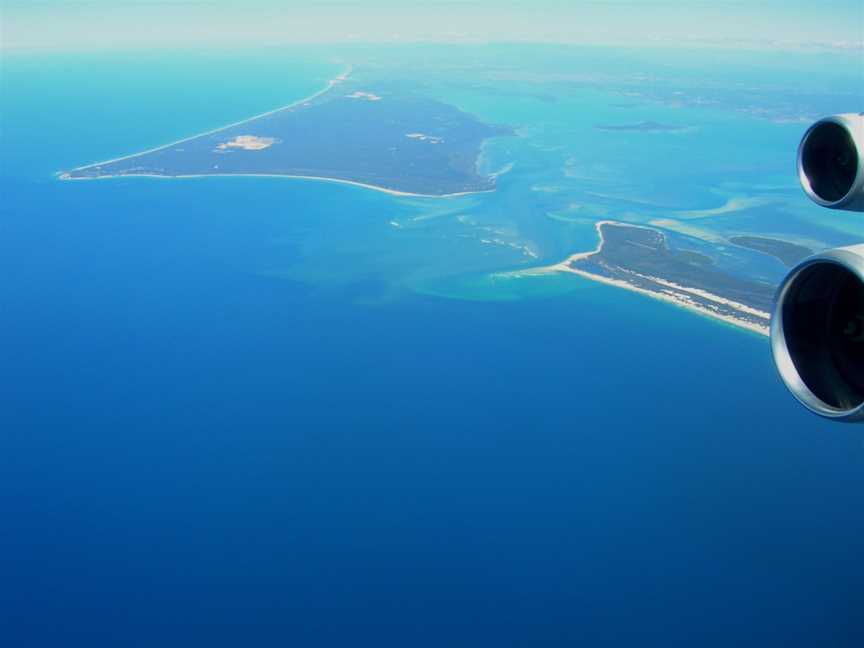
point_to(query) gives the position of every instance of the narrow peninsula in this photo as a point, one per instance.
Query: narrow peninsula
(351, 132)
(640, 259)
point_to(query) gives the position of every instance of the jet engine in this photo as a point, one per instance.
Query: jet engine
(817, 325)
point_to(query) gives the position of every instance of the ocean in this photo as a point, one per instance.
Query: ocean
(233, 411)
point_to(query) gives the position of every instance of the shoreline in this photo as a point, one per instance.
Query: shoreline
(393, 192)
(332, 83)
(668, 297)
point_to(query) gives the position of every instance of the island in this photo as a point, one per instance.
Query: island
(643, 127)
(789, 254)
(640, 259)
(351, 132)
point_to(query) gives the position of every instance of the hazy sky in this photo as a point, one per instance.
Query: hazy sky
(89, 24)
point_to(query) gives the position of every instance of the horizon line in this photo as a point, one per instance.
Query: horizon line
(720, 43)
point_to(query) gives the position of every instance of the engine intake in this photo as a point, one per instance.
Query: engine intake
(831, 162)
(817, 333)
(817, 326)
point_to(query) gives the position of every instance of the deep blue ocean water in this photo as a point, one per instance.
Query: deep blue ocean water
(196, 450)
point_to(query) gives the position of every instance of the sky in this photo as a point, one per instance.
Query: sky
(119, 24)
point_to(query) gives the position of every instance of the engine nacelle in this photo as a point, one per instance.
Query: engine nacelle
(831, 162)
(817, 327)
(817, 333)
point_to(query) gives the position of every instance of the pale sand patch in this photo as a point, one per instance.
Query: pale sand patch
(731, 205)
(524, 249)
(248, 143)
(423, 137)
(366, 96)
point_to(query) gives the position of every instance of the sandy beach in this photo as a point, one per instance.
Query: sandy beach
(392, 192)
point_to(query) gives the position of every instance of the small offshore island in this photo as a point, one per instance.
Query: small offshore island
(404, 144)
(640, 259)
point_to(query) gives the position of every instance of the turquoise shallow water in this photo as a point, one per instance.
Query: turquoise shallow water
(250, 411)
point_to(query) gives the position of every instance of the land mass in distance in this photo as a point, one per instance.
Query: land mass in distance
(397, 142)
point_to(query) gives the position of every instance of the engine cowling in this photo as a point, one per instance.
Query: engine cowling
(831, 162)
(817, 333)
(817, 326)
